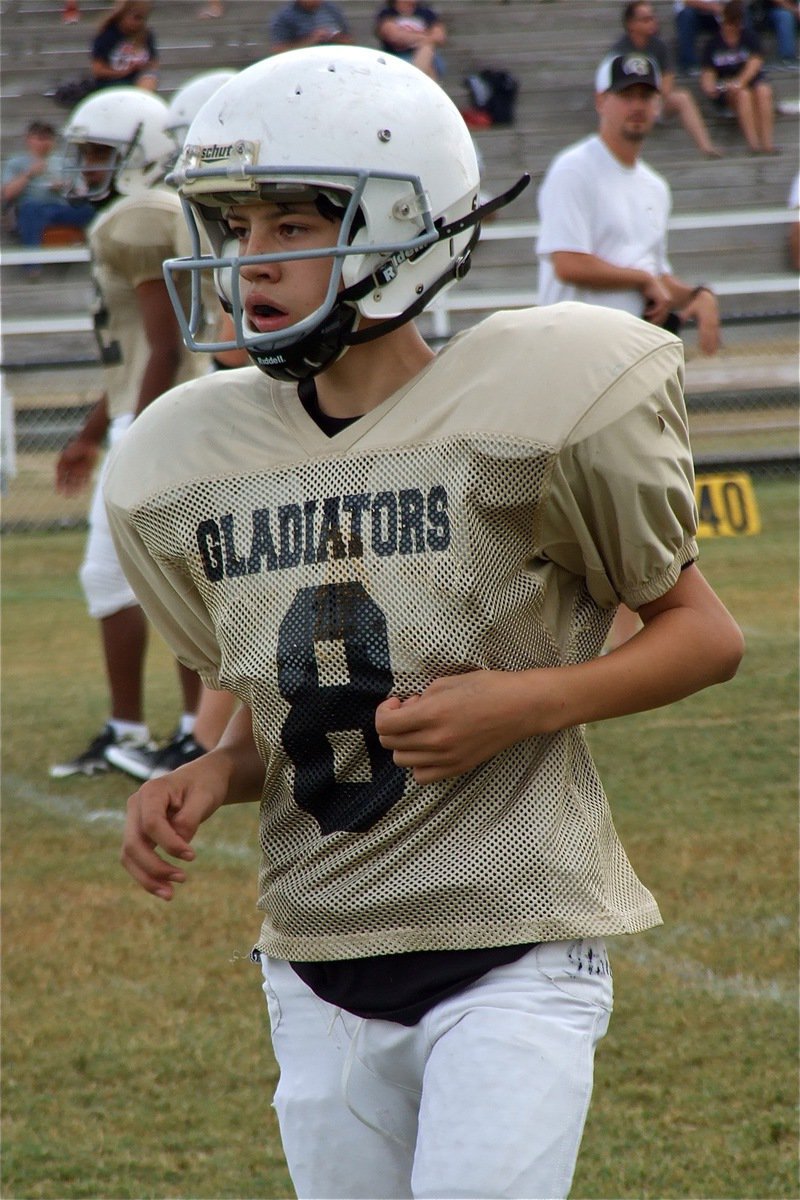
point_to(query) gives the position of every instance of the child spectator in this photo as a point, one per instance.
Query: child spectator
(413, 32)
(124, 48)
(733, 77)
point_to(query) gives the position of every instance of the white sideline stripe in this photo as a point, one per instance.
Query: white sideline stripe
(704, 979)
(74, 809)
(694, 974)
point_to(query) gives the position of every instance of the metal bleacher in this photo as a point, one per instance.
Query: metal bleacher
(729, 224)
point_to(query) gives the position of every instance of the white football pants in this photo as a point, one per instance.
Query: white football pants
(105, 587)
(486, 1097)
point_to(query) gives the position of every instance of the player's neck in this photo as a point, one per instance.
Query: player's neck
(368, 374)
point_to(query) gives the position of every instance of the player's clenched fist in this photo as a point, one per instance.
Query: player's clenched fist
(461, 721)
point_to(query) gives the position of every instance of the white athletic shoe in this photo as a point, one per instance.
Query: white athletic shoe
(92, 761)
(133, 756)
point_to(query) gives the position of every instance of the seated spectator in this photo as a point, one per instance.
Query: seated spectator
(307, 23)
(124, 48)
(693, 17)
(641, 33)
(780, 17)
(732, 76)
(32, 185)
(413, 32)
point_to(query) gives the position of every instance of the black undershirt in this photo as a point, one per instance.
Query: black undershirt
(393, 987)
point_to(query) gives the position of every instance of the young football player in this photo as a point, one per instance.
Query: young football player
(405, 565)
(118, 151)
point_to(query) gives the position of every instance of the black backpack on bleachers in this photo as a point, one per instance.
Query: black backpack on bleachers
(494, 93)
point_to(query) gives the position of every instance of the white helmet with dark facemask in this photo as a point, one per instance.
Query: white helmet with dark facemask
(130, 123)
(369, 138)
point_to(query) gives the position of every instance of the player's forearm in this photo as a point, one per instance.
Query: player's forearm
(237, 757)
(95, 427)
(159, 375)
(588, 270)
(643, 674)
(682, 649)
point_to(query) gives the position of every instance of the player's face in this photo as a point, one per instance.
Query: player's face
(97, 160)
(629, 115)
(279, 294)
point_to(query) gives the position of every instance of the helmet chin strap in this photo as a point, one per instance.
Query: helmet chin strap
(312, 353)
(337, 332)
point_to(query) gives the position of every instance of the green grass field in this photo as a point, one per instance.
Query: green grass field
(136, 1060)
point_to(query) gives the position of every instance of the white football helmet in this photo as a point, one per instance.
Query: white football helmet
(130, 122)
(189, 99)
(342, 125)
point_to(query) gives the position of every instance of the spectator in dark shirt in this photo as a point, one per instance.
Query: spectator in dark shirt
(124, 48)
(732, 76)
(641, 33)
(307, 23)
(413, 32)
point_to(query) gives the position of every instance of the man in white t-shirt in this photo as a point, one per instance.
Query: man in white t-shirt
(604, 213)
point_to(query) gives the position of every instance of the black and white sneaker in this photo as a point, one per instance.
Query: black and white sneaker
(132, 755)
(181, 749)
(93, 760)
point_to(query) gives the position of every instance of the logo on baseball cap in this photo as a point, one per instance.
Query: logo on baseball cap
(620, 71)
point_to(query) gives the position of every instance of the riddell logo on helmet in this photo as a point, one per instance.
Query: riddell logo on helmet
(270, 360)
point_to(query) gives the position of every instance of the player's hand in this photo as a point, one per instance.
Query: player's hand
(657, 300)
(74, 466)
(164, 815)
(459, 722)
(704, 310)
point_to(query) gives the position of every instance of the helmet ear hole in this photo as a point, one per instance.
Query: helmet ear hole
(223, 282)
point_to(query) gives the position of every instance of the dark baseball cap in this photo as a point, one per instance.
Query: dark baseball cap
(621, 71)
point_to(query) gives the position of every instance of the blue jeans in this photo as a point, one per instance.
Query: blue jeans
(34, 216)
(688, 23)
(784, 25)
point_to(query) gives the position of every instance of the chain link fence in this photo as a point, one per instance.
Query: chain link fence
(743, 403)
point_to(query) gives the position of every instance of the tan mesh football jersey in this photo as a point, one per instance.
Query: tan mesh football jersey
(129, 242)
(489, 515)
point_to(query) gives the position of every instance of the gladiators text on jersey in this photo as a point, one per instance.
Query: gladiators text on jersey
(407, 521)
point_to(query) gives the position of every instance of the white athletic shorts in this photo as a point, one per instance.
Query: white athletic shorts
(485, 1097)
(106, 589)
